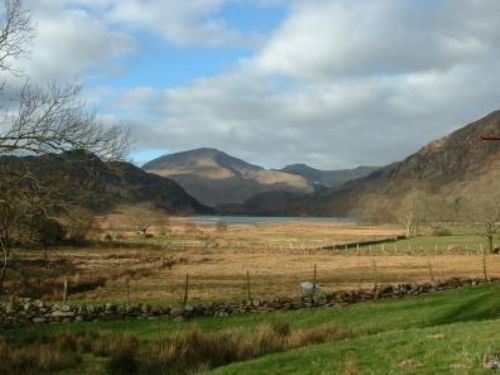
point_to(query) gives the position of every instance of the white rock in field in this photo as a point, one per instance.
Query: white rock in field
(309, 288)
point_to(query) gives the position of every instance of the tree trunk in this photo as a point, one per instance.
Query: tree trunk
(4, 266)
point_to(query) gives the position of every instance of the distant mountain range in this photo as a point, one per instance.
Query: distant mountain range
(214, 177)
(330, 179)
(86, 181)
(457, 167)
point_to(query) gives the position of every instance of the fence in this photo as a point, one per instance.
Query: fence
(382, 246)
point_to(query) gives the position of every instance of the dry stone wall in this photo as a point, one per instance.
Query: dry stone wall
(23, 311)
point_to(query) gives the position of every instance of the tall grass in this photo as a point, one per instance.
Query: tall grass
(183, 353)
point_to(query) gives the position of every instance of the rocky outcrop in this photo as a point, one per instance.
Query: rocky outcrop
(22, 312)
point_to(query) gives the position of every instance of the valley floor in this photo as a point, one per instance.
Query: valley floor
(275, 257)
(444, 333)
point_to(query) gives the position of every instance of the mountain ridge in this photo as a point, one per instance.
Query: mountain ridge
(457, 166)
(215, 177)
(100, 186)
(328, 178)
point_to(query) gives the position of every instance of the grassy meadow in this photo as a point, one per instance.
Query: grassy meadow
(445, 333)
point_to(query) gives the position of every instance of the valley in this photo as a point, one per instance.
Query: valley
(237, 187)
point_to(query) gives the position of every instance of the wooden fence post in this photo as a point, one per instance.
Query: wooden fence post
(315, 275)
(186, 290)
(485, 271)
(375, 279)
(431, 271)
(65, 291)
(249, 291)
(127, 284)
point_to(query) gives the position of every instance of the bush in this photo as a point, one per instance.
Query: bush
(281, 328)
(108, 237)
(36, 359)
(441, 232)
(123, 351)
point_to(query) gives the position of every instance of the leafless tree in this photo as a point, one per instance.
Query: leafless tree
(45, 121)
(412, 213)
(54, 121)
(142, 225)
(486, 215)
(16, 34)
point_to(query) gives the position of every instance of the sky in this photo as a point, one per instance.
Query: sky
(331, 83)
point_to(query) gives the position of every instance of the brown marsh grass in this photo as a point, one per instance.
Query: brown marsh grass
(181, 353)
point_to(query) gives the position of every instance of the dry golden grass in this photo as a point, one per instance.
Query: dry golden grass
(122, 222)
(157, 274)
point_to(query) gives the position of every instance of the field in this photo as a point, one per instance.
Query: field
(448, 333)
(445, 333)
(277, 257)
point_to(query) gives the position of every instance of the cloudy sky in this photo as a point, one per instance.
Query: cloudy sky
(333, 83)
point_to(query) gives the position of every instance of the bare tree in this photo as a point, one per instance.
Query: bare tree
(45, 121)
(411, 213)
(55, 120)
(142, 225)
(16, 34)
(486, 215)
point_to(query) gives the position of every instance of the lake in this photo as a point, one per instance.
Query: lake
(269, 220)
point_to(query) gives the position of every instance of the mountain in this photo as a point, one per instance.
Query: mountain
(214, 177)
(86, 181)
(458, 167)
(332, 178)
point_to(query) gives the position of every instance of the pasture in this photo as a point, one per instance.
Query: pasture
(264, 260)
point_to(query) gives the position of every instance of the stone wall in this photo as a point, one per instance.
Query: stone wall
(22, 312)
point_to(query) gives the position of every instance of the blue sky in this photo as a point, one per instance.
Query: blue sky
(333, 83)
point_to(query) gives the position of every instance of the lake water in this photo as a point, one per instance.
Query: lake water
(269, 220)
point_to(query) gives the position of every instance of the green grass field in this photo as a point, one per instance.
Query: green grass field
(446, 333)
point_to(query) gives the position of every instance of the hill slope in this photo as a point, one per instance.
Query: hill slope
(459, 166)
(331, 179)
(214, 177)
(88, 182)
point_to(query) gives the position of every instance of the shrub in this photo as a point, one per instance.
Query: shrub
(108, 237)
(35, 359)
(281, 328)
(442, 232)
(123, 351)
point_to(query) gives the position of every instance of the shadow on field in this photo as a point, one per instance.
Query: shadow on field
(482, 307)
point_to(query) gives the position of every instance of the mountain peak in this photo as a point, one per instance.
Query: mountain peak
(215, 177)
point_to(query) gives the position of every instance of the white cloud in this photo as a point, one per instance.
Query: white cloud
(339, 83)
(358, 83)
(333, 39)
(69, 41)
(185, 23)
